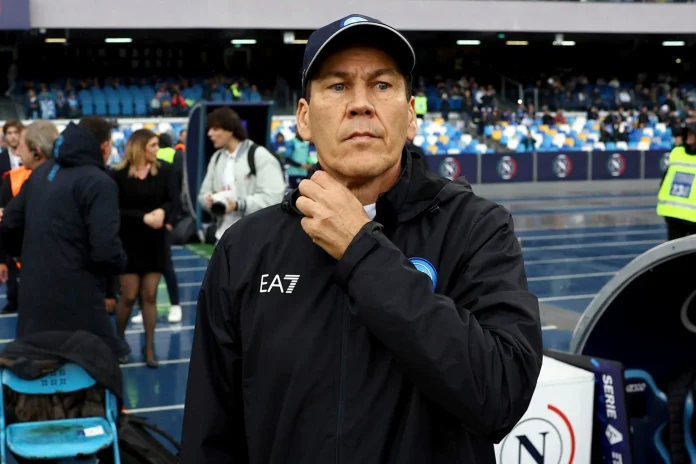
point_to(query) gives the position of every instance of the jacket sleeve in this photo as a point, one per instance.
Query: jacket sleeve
(207, 185)
(12, 226)
(6, 191)
(477, 349)
(270, 184)
(213, 425)
(100, 203)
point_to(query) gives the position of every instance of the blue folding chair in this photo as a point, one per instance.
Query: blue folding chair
(58, 439)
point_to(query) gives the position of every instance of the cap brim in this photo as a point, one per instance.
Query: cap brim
(366, 33)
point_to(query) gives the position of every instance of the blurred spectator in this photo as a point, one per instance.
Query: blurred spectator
(69, 245)
(228, 191)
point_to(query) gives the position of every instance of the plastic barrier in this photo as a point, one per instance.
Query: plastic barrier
(557, 427)
(645, 318)
(551, 166)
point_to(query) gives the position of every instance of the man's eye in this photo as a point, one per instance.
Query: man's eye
(382, 85)
(338, 87)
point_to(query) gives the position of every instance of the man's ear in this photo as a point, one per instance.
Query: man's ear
(412, 120)
(303, 126)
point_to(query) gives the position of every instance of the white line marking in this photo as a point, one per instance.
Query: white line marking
(184, 284)
(591, 245)
(173, 407)
(549, 327)
(162, 363)
(172, 328)
(182, 304)
(566, 298)
(186, 257)
(578, 260)
(191, 269)
(589, 226)
(570, 276)
(592, 234)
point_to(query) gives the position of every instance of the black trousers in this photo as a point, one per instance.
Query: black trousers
(12, 280)
(678, 228)
(170, 275)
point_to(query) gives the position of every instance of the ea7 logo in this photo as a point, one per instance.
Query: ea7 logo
(276, 282)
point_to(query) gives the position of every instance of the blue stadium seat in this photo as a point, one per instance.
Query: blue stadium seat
(58, 439)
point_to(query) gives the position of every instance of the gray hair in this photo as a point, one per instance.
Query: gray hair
(41, 135)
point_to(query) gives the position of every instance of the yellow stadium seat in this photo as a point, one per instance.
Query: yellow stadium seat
(595, 127)
(582, 136)
(497, 134)
(570, 142)
(444, 139)
(544, 128)
(432, 149)
(645, 140)
(504, 123)
(275, 124)
(439, 121)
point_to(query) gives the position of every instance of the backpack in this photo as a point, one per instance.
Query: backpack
(251, 159)
(138, 445)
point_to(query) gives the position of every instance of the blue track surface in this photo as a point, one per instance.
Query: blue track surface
(566, 268)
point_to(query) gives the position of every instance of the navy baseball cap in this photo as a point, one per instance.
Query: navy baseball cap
(359, 29)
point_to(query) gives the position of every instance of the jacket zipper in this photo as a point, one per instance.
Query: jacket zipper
(341, 386)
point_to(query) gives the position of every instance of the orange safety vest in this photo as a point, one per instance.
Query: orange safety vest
(18, 177)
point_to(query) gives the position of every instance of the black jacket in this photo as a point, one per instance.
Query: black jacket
(82, 348)
(5, 163)
(64, 225)
(299, 358)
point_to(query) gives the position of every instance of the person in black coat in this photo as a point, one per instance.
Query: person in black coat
(10, 159)
(147, 193)
(64, 225)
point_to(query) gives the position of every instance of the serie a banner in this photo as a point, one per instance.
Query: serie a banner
(452, 167)
(554, 166)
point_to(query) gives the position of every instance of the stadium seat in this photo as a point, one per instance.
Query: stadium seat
(58, 439)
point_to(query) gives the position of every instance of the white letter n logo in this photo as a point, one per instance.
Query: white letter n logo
(293, 278)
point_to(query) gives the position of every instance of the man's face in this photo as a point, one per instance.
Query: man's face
(22, 150)
(182, 136)
(219, 137)
(359, 116)
(690, 138)
(12, 138)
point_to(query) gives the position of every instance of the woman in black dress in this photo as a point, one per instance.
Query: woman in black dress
(146, 196)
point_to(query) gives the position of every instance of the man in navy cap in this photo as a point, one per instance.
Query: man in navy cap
(381, 313)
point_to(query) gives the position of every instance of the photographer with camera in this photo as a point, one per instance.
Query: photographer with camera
(242, 177)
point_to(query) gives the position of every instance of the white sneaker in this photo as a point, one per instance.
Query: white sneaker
(137, 319)
(174, 313)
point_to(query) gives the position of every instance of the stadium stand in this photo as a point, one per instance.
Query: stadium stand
(129, 97)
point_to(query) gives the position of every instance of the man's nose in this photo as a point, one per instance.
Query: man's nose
(360, 104)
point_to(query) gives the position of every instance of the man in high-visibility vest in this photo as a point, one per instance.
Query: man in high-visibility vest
(35, 146)
(676, 201)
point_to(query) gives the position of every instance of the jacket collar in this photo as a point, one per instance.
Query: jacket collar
(414, 192)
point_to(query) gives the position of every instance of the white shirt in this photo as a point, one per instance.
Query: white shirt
(15, 160)
(371, 210)
(229, 185)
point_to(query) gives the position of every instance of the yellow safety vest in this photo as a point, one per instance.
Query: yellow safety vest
(421, 104)
(677, 197)
(166, 154)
